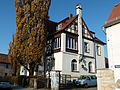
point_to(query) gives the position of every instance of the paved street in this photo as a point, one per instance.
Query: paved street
(92, 88)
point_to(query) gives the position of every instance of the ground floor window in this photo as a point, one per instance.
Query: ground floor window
(91, 67)
(74, 65)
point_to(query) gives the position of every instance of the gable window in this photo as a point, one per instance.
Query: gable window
(74, 65)
(57, 43)
(86, 47)
(99, 50)
(71, 43)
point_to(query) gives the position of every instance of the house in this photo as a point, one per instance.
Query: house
(72, 48)
(113, 33)
(5, 65)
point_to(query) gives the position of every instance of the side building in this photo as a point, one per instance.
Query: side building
(112, 26)
(5, 66)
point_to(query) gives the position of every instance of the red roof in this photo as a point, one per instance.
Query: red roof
(115, 14)
(4, 58)
(67, 21)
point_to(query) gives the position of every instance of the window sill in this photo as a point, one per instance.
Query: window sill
(75, 71)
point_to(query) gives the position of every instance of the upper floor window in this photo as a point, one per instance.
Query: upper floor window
(86, 47)
(71, 43)
(57, 43)
(74, 65)
(98, 50)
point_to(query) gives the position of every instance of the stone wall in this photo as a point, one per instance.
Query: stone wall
(105, 79)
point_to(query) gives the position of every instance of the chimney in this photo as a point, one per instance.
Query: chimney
(79, 9)
(80, 39)
(71, 15)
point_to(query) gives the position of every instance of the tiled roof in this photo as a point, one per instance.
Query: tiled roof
(4, 58)
(115, 14)
(67, 21)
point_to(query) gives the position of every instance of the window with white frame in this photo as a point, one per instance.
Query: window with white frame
(71, 43)
(57, 43)
(74, 65)
(86, 47)
(98, 50)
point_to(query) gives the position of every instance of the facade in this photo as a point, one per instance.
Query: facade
(5, 66)
(72, 48)
(113, 31)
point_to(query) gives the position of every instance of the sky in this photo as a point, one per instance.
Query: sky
(95, 13)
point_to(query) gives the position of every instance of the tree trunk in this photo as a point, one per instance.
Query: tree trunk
(31, 70)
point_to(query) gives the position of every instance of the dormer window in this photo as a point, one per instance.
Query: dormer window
(59, 27)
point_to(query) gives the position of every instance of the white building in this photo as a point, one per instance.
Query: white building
(72, 48)
(113, 41)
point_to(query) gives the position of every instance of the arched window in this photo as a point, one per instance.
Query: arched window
(74, 65)
(91, 67)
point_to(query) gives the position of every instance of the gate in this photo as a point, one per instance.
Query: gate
(65, 81)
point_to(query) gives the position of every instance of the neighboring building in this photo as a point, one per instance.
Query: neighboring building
(113, 41)
(5, 66)
(72, 48)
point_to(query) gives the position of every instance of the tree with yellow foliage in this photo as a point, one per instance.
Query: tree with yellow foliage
(31, 33)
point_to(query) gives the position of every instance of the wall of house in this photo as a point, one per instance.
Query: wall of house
(66, 63)
(5, 69)
(90, 47)
(113, 44)
(100, 59)
(84, 66)
(58, 60)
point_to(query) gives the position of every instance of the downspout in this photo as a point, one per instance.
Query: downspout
(95, 54)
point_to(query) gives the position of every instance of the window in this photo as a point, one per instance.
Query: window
(71, 43)
(57, 43)
(74, 65)
(6, 74)
(86, 47)
(7, 65)
(59, 27)
(98, 50)
(91, 67)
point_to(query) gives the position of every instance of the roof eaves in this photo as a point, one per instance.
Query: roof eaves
(99, 41)
(112, 23)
